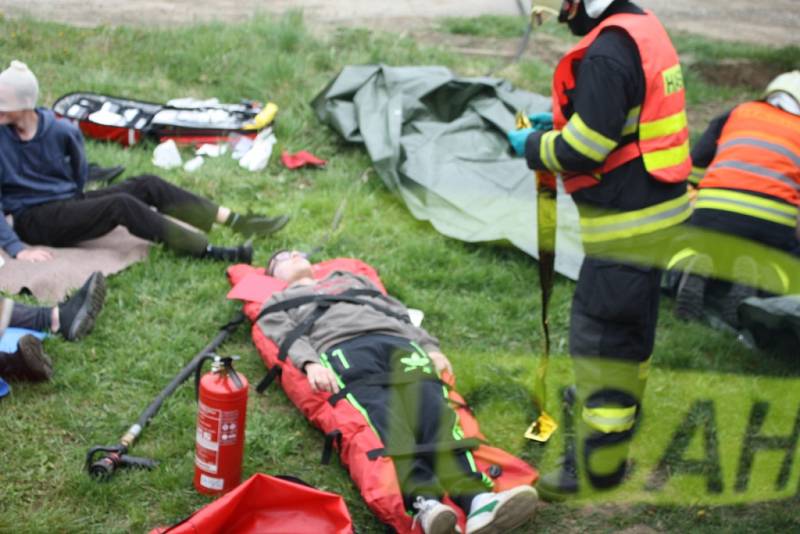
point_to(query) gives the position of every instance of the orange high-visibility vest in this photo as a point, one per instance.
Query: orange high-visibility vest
(758, 151)
(662, 133)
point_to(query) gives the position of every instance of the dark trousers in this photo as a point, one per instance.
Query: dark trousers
(772, 234)
(93, 214)
(30, 317)
(406, 415)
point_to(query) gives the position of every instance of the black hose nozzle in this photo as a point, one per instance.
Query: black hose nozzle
(115, 458)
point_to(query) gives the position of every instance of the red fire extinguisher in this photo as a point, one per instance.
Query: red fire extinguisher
(221, 411)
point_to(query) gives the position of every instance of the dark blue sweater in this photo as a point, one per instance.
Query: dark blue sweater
(51, 166)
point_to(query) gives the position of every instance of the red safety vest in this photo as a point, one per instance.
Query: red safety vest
(759, 151)
(660, 124)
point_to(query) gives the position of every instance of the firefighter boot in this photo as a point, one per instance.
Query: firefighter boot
(689, 299)
(609, 393)
(29, 363)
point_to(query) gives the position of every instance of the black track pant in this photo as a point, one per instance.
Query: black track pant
(406, 415)
(66, 222)
(30, 317)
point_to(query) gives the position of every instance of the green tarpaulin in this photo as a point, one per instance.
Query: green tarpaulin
(439, 142)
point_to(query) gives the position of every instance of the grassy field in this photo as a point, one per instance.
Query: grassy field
(481, 300)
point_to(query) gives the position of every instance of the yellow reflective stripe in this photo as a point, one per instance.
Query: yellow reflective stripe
(669, 157)
(632, 121)
(663, 127)
(635, 223)
(783, 275)
(697, 174)
(586, 141)
(680, 256)
(547, 151)
(610, 419)
(752, 205)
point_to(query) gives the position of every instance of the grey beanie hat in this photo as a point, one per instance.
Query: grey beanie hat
(19, 88)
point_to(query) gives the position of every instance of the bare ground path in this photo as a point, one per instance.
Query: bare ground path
(774, 22)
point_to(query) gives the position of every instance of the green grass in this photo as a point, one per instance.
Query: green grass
(480, 300)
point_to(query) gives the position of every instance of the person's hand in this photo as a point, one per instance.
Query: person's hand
(441, 362)
(517, 138)
(321, 378)
(34, 255)
(541, 122)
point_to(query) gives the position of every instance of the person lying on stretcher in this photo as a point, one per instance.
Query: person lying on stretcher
(347, 333)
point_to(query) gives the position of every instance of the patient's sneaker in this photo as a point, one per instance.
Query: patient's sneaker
(6, 307)
(77, 314)
(434, 517)
(497, 513)
(28, 363)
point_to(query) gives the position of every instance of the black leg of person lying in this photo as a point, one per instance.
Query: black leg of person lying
(365, 342)
(43, 172)
(72, 319)
(103, 174)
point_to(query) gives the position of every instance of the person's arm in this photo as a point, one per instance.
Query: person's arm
(602, 100)
(76, 153)
(277, 326)
(704, 151)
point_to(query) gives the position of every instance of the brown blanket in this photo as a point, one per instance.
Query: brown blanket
(51, 281)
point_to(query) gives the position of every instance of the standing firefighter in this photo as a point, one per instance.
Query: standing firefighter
(620, 143)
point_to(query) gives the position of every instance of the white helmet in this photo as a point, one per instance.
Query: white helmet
(788, 82)
(595, 8)
(568, 8)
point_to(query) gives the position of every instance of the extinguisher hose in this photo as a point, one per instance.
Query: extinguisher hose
(189, 369)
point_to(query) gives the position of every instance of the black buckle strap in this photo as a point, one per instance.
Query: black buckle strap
(460, 445)
(274, 372)
(382, 379)
(327, 449)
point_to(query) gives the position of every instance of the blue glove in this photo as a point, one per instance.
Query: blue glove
(517, 139)
(541, 122)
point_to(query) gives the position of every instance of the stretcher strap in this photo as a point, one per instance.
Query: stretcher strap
(327, 450)
(460, 445)
(382, 379)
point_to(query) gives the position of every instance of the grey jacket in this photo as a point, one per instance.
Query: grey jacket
(342, 321)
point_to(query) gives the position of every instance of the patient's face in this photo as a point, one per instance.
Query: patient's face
(291, 266)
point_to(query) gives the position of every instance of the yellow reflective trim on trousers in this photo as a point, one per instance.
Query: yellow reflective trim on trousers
(751, 205)
(663, 127)
(547, 151)
(635, 223)
(632, 121)
(669, 157)
(586, 141)
(610, 419)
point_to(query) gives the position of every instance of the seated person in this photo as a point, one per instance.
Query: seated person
(73, 319)
(353, 341)
(747, 170)
(42, 174)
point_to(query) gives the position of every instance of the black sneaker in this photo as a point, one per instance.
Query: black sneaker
(253, 224)
(29, 363)
(78, 313)
(690, 297)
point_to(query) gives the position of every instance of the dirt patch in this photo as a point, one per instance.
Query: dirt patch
(771, 22)
(736, 73)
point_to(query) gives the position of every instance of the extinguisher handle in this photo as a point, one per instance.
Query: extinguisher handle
(228, 363)
(198, 370)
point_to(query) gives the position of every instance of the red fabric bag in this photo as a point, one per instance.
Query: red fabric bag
(268, 505)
